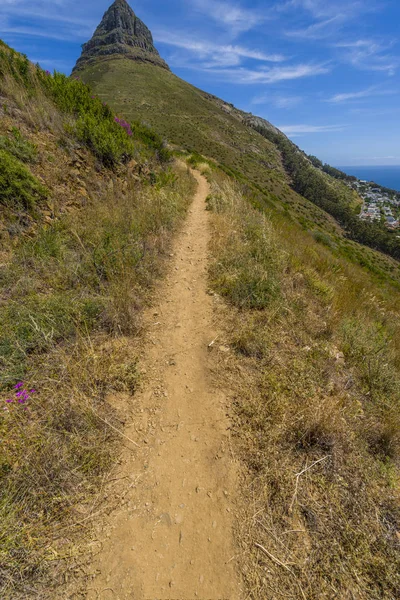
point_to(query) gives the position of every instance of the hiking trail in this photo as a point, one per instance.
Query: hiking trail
(171, 537)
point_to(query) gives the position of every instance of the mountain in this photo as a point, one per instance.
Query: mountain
(121, 33)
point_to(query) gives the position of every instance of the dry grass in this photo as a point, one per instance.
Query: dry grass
(316, 413)
(72, 336)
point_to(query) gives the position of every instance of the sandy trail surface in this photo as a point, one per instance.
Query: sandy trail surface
(171, 536)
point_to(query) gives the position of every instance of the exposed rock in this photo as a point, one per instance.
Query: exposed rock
(120, 33)
(259, 123)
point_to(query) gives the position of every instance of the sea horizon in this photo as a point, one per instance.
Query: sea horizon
(384, 175)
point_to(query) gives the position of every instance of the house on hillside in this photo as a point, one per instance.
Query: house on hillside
(392, 223)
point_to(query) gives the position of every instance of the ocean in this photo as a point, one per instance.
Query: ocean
(386, 176)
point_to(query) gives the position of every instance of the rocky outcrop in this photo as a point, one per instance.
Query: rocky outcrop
(120, 33)
(259, 123)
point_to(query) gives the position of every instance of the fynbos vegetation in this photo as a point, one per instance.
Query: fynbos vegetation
(82, 240)
(315, 376)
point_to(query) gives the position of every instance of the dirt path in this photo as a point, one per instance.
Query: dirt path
(172, 535)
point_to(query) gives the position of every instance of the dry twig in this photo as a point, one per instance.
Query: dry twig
(302, 473)
(272, 557)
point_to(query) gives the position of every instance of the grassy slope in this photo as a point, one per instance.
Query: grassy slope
(194, 120)
(81, 246)
(314, 374)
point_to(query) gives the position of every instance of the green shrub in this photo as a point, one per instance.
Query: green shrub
(108, 142)
(19, 189)
(96, 125)
(323, 238)
(18, 146)
(17, 65)
(370, 348)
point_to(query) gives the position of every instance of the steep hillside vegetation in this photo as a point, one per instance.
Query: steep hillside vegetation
(87, 208)
(314, 374)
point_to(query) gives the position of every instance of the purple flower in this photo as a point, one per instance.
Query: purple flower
(9, 401)
(19, 385)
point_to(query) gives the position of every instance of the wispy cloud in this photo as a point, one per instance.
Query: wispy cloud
(385, 158)
(53, 21)
(323, 9)
(63, 36)
(214, 55)
(319, 30)
(267, 75)
(51, 63)
(369, 55)
(303, 129)
(323, 19)
(350, 96)
(279, 101)
(230, 15)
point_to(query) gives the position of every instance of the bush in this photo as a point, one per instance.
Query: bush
(93, 122)
(108, 143)
(18, 146)
(109, 138)
(323, 238)
(19, 189)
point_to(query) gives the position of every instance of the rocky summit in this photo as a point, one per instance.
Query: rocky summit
(121, 33)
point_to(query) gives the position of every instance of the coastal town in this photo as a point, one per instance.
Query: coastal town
(379, 204)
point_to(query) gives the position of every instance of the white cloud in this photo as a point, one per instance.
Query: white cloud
(230, 15)
(275, 74)
(51, 63)
(323, 19)
(349, 96)
(66, 36)
(278, 101)
(216, 55)
(264, 75)
(53, 20)
(385, 158)
(319, 30)
(369, 55)
(324, 9)
(302, 129)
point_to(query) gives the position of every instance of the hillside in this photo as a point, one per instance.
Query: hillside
(88, 207)
(199, 365)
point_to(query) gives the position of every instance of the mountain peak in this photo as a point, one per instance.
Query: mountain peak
(121, 33)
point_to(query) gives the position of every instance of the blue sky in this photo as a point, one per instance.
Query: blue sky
(325, 71)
